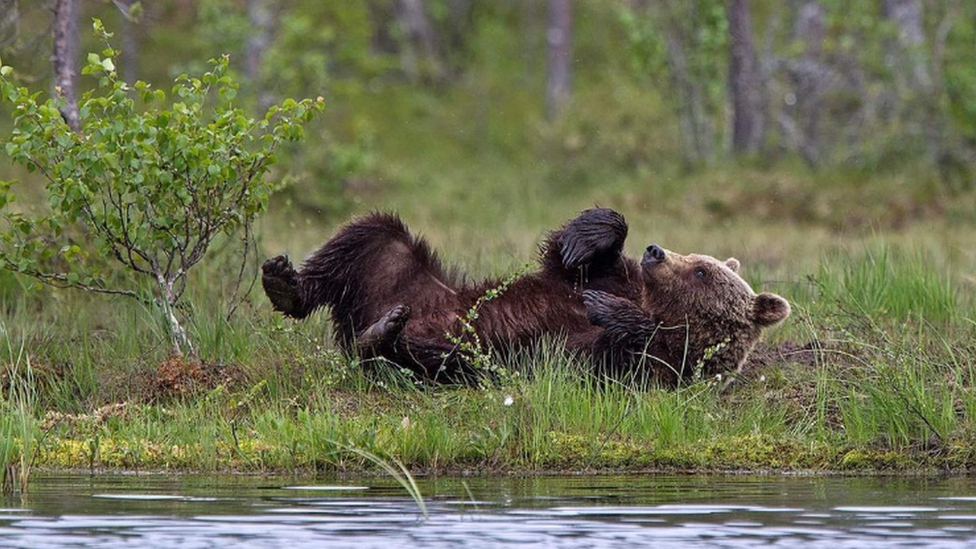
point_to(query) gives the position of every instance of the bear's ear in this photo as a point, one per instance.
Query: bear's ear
(769, 309)
(733, 264)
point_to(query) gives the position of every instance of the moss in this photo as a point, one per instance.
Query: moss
(877, 460)
(564, 451)
(573, 451)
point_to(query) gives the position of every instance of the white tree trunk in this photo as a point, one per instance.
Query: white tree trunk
(178, 337)
(65, 59)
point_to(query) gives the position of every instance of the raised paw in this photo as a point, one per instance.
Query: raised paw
(387, 328)
(280, 281)
(278, 266)
(593, 232)
(393, 321)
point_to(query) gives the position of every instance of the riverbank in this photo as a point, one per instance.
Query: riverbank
(873, 372)
(892, 402)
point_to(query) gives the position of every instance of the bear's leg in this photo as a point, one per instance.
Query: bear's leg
(383, 332)
(433, 359)
(597, 234)
(280, 281)
(623, 320)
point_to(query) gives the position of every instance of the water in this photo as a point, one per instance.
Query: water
(581, 511)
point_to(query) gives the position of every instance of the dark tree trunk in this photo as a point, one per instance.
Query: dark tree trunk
(559, 66)
(9, 17)
(460, 19)
(382, 15)
(744, 80)
(261, 15)
(697, 129)
(809, 77)
(65, 59)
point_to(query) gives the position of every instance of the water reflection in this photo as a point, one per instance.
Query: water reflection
(159, 511)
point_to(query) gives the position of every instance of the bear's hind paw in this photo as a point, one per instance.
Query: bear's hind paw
(280, 281)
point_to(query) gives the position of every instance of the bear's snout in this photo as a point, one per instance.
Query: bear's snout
(653, 255)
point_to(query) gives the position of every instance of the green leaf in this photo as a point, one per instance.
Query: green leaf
(6, 70)
(108, 65)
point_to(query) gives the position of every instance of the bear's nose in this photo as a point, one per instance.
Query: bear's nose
(655, 254)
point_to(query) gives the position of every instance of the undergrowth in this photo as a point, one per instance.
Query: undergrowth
(850, 386)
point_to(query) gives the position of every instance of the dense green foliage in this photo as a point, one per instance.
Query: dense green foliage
(147, 187)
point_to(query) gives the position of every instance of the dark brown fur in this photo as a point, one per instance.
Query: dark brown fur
(373, 265)
(390, 296)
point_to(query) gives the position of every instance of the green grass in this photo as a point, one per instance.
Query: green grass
(20, 436)
(873, 370)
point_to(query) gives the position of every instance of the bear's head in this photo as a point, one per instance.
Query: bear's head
(710, 315)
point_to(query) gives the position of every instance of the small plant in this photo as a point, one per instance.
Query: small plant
(397, 471)
(468, 344)
(708, 354)
(141, 186)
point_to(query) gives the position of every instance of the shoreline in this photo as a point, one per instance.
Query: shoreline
(723, 458)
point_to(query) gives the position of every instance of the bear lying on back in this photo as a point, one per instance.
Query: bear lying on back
(667, 318)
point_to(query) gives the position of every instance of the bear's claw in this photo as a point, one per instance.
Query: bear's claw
(280, 281)
(599, 306)
(592, 233)
(386, 328)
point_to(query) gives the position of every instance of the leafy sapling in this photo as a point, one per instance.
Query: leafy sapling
(142, 186)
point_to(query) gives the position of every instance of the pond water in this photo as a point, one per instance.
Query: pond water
(576, 511)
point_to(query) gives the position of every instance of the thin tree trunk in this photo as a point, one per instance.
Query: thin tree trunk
(810, 78)
(261, 15)
(559, 65)
(676, 22)
(744, 80)
(9, 19)
(179, 339)
(697, 130)
(65, 59)
(459, 23)
(130, 42)
(908, 18)
(382, 16)
(419, 55)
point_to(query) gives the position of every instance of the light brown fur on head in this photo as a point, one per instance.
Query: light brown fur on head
(702, 303)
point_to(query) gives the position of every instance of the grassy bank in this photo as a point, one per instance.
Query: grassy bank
(874, 370)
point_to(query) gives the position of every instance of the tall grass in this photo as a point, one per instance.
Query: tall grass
(878, 359)
(19, 432)
(887, 283)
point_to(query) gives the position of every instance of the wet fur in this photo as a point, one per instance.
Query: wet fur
(374, 264)
(390, 296)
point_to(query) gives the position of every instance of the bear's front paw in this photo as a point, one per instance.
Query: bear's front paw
(280, 281)
(599, 307)
(593, 232)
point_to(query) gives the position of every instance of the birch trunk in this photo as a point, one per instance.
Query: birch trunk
(559, 65)
(65, 59)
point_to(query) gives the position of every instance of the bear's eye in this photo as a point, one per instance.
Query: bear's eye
(700, 273)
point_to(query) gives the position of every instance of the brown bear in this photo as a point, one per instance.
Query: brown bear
(696, 318)
(667, 318)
